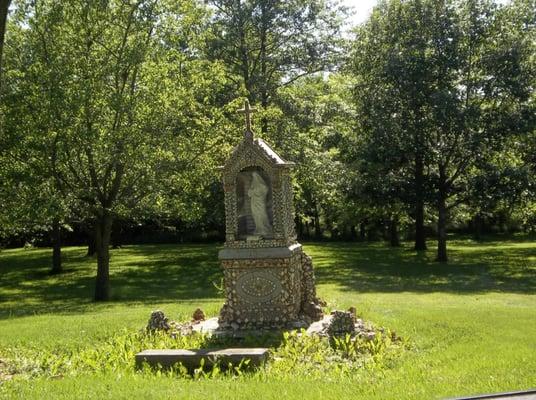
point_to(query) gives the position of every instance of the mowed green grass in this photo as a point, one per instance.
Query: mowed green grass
(471, 323)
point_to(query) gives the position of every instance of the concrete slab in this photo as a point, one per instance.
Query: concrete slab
(319, 326)
(208, 326)
(191, 359)
(258, 253)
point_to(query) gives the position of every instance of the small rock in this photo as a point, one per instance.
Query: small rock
(298, 324)
(313, 311)
(321, 302)
(353, 311)
(341, 323)
(198, 315)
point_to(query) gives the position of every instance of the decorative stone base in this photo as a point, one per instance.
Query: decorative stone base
(213, 328)
(267, 288)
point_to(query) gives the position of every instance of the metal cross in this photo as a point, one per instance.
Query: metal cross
(247, 110)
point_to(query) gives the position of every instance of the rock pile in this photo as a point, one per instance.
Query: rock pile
(158, 322)
(342, 323)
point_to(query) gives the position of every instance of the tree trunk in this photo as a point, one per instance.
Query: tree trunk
(318, 230)
(103, 230)
(244, 59)
(299, 227)
(477, 221)
(116, 235)
(362, 231)
(420, 236)
(264, 104)
(263, 61)
(372, 232)
(347, 232)
(394, 237)
(442, 219)
(89, 230)
(4, 9)
(91, 248)
(56, 247)
(353, 233)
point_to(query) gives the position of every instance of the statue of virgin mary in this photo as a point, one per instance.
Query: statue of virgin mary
(258, 192)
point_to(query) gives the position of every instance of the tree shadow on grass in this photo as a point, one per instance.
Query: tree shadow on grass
(472, 268)
(142, 274)
(157, 273)
(154, 274)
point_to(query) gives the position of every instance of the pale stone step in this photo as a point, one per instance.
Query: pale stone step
(192, 358)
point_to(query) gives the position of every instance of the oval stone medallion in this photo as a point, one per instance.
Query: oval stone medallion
(258, 286)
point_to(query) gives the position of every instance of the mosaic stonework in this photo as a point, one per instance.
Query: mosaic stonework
(269, 280)
(258, 286)
(251, 155)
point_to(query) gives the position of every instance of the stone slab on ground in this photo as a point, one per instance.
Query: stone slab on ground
(319, 327)
(192, 358)
(208, 326)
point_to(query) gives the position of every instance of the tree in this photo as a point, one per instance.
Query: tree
(268, 44)
(380, 183)
(500, 184)
(4, 9)
(310, 118)
(440, 85)
(391, 95)
(483, 99)
(127, 116)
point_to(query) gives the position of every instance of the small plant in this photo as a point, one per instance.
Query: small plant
(220, 288)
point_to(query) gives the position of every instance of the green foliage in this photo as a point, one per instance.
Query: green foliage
(47, 324)
(306, 125)
(110, 110)
(136, 121)
(123, 110)
(116, 355)
(440, 90)
(271, 43)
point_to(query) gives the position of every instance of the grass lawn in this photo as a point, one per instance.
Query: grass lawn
(471, 324)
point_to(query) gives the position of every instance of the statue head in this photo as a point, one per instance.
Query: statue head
(256, 179)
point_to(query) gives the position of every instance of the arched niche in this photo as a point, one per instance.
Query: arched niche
(254, 204)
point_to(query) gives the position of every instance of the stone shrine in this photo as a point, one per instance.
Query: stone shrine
(269, 280)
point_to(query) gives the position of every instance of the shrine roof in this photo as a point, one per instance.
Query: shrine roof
(270, 152)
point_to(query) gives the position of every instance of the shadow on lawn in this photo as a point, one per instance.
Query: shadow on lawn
(472, 268)
(164, 273)
(142, 274)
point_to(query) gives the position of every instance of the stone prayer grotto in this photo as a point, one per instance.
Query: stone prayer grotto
(269, 280)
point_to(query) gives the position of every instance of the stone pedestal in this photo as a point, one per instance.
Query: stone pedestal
(263, 286)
